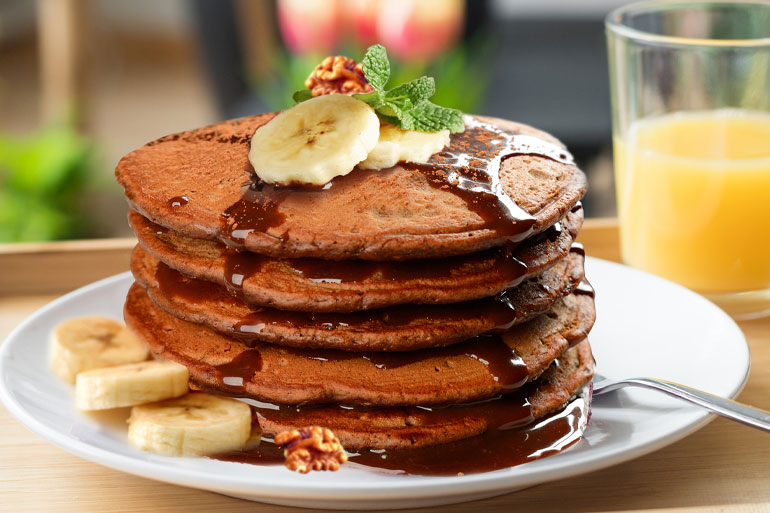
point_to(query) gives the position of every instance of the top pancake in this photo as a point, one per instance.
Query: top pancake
(388, 214)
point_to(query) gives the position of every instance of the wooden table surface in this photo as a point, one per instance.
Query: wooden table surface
(723, 467)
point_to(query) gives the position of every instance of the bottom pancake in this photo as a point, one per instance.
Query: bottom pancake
(477, 369)
(405, 428)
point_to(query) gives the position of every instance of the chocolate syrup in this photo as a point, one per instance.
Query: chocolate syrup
(178, 201)
(496, 449)
(256, 212)
(498, 312)
(175, 284)
(470, 169)
(577, 247)
(326, 271)
(585, 288)
(239, 371)
(551, 234)
(240, 265)
(511, 438)
(505, 366)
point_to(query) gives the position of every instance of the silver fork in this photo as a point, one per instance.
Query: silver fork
(733, 410)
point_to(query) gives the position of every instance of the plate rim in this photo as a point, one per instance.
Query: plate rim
(287, 489)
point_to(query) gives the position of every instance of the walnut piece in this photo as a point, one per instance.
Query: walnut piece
(337, 74)
(311, 448)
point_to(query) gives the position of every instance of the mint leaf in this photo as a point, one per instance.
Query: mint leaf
(376, 67)
(391, 109)
(302, 95)
(415, 91)
(406, 105)
(429, 117)
(424, 117)
(373, 98)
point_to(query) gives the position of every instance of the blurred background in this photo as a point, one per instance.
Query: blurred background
(82, 82)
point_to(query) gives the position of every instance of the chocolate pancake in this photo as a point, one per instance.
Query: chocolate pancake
(411, 427)
(345, 286)
(396, 328)
(476, 369)
(497, 181)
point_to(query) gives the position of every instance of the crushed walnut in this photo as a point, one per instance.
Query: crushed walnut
(311, 448)
(337, 75)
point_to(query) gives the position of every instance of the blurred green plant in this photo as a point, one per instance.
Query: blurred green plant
(42, 180)
(462, 75)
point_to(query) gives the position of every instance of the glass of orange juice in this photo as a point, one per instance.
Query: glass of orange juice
(690, 85)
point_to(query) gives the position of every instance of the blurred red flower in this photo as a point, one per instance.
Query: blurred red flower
(310, 26)
(411, 30)
(419, 30)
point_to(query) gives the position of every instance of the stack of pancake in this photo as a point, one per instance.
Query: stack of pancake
(372, 304)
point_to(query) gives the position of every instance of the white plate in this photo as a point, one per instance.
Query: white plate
(646, 327)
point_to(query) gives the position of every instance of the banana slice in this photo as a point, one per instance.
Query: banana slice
(88, 343)
(314, 141)
(196, 424)
(255, 437)
(130, 384)
(397, 145)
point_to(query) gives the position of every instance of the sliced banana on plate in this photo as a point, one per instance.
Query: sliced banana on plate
(314, 141)
(397, 145)
(88, 343)
(130, 384)
(196, 424)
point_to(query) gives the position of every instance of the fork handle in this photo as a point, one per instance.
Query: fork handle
(734, 410)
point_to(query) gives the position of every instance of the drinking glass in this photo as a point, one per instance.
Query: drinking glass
(690, 85)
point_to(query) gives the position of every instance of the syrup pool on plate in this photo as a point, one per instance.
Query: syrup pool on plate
(693, 192)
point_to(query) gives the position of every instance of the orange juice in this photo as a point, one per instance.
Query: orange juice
(693, 193)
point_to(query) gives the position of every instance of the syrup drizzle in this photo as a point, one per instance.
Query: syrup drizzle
(256, 211)
(577, 247)
(329, 271)
(470, 169)
(511, 439)
(505, 367)
(178, 201)
(239, 371)
(241, 265)
(497, 448)
(498, 311)
(585, 288)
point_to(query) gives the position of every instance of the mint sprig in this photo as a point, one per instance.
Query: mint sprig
(407, 106)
